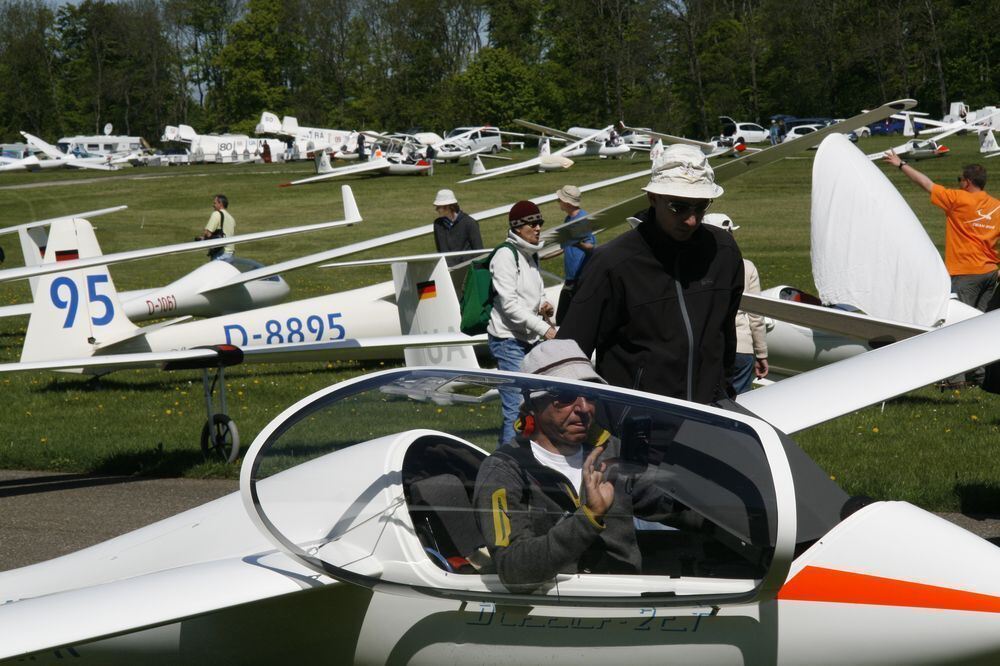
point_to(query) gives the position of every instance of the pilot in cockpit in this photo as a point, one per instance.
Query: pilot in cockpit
(550, 501)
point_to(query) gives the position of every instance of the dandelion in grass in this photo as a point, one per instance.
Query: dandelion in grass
(974, 417)
(875, 429)
(168, 412)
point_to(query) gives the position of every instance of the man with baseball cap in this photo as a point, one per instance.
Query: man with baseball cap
(454, 230)
(521, 316)
(545, 501)
(658, 303)
(576, 250)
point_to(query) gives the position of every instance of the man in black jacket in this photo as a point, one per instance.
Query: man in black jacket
(658, 303)
(546, 501)
(454, 230)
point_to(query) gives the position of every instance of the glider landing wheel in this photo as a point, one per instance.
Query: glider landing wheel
(220, 440)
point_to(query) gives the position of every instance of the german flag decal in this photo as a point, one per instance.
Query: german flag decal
(427, 289)
(67, 255)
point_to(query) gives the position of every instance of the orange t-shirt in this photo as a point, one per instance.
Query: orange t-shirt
(973, 225)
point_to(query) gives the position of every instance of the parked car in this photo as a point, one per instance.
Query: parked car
(737, 133)
(886, 127)
(800, 130)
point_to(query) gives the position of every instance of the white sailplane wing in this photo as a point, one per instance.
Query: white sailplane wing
(380, 164)
(868, 248)
(424, 230)
(823, 394)
(289, 352)
(551, 131)
(351, 216)
(41, 223)
(535, 160)
(863, 327)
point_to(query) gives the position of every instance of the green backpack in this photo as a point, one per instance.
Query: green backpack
(478, 293)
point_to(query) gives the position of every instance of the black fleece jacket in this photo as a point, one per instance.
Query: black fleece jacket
(661, 313)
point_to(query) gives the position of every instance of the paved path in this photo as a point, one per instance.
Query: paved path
(45, 515)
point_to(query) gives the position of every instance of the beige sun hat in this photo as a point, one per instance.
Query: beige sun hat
(570, 194)
(683, 171)
(560, 358)
(445, 198)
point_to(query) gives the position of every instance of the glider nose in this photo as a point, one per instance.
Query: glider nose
(904, 585)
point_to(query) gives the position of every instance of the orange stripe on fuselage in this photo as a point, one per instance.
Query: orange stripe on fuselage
(844, 587)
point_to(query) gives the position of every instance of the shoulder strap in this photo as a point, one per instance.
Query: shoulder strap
(517, 259)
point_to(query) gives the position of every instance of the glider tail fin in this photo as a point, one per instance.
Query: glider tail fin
(78, 312)
(988, 142)
(322, 159)
(477, 168)
(428, 303)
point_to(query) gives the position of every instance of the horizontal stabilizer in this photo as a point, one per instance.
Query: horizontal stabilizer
(819, 395)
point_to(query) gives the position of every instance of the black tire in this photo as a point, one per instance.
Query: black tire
(494, 149)
(220, 440)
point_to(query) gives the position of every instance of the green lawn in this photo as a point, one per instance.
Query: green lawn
(935, 449)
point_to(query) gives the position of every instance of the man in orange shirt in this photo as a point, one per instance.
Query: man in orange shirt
(971, 233)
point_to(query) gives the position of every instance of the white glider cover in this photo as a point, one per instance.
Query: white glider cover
(868, 248)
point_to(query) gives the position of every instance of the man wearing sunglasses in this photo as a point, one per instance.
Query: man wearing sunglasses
(658, 304)
(970, 230)
(545, 500)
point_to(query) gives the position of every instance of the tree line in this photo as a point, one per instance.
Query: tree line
(674, 65)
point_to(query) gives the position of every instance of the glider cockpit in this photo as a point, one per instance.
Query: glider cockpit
(373, 482)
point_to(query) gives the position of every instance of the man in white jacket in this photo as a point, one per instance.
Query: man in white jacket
(521, 316)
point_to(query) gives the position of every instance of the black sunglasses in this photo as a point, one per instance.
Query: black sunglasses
(569, 397)
(687, 208)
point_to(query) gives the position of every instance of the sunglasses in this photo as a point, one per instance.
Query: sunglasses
(687, 208)
(570, 397)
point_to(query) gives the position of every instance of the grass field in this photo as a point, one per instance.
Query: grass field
(938, 450)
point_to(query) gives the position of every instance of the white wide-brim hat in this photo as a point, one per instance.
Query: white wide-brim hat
(683, 171)
(445, 198)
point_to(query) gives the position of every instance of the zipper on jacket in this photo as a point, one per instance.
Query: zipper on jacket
(687, 327)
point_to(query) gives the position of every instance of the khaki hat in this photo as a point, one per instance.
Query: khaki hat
(560, 358)
(569, 194)
(720, 220)
(445, 198)
(683, 171)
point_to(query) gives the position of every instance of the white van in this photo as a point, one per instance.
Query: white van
(485, 137)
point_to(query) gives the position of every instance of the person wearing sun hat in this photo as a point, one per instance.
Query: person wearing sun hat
(550, 500)
(521, 316)
(576, 250)
(454, 230)
(658, 303)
